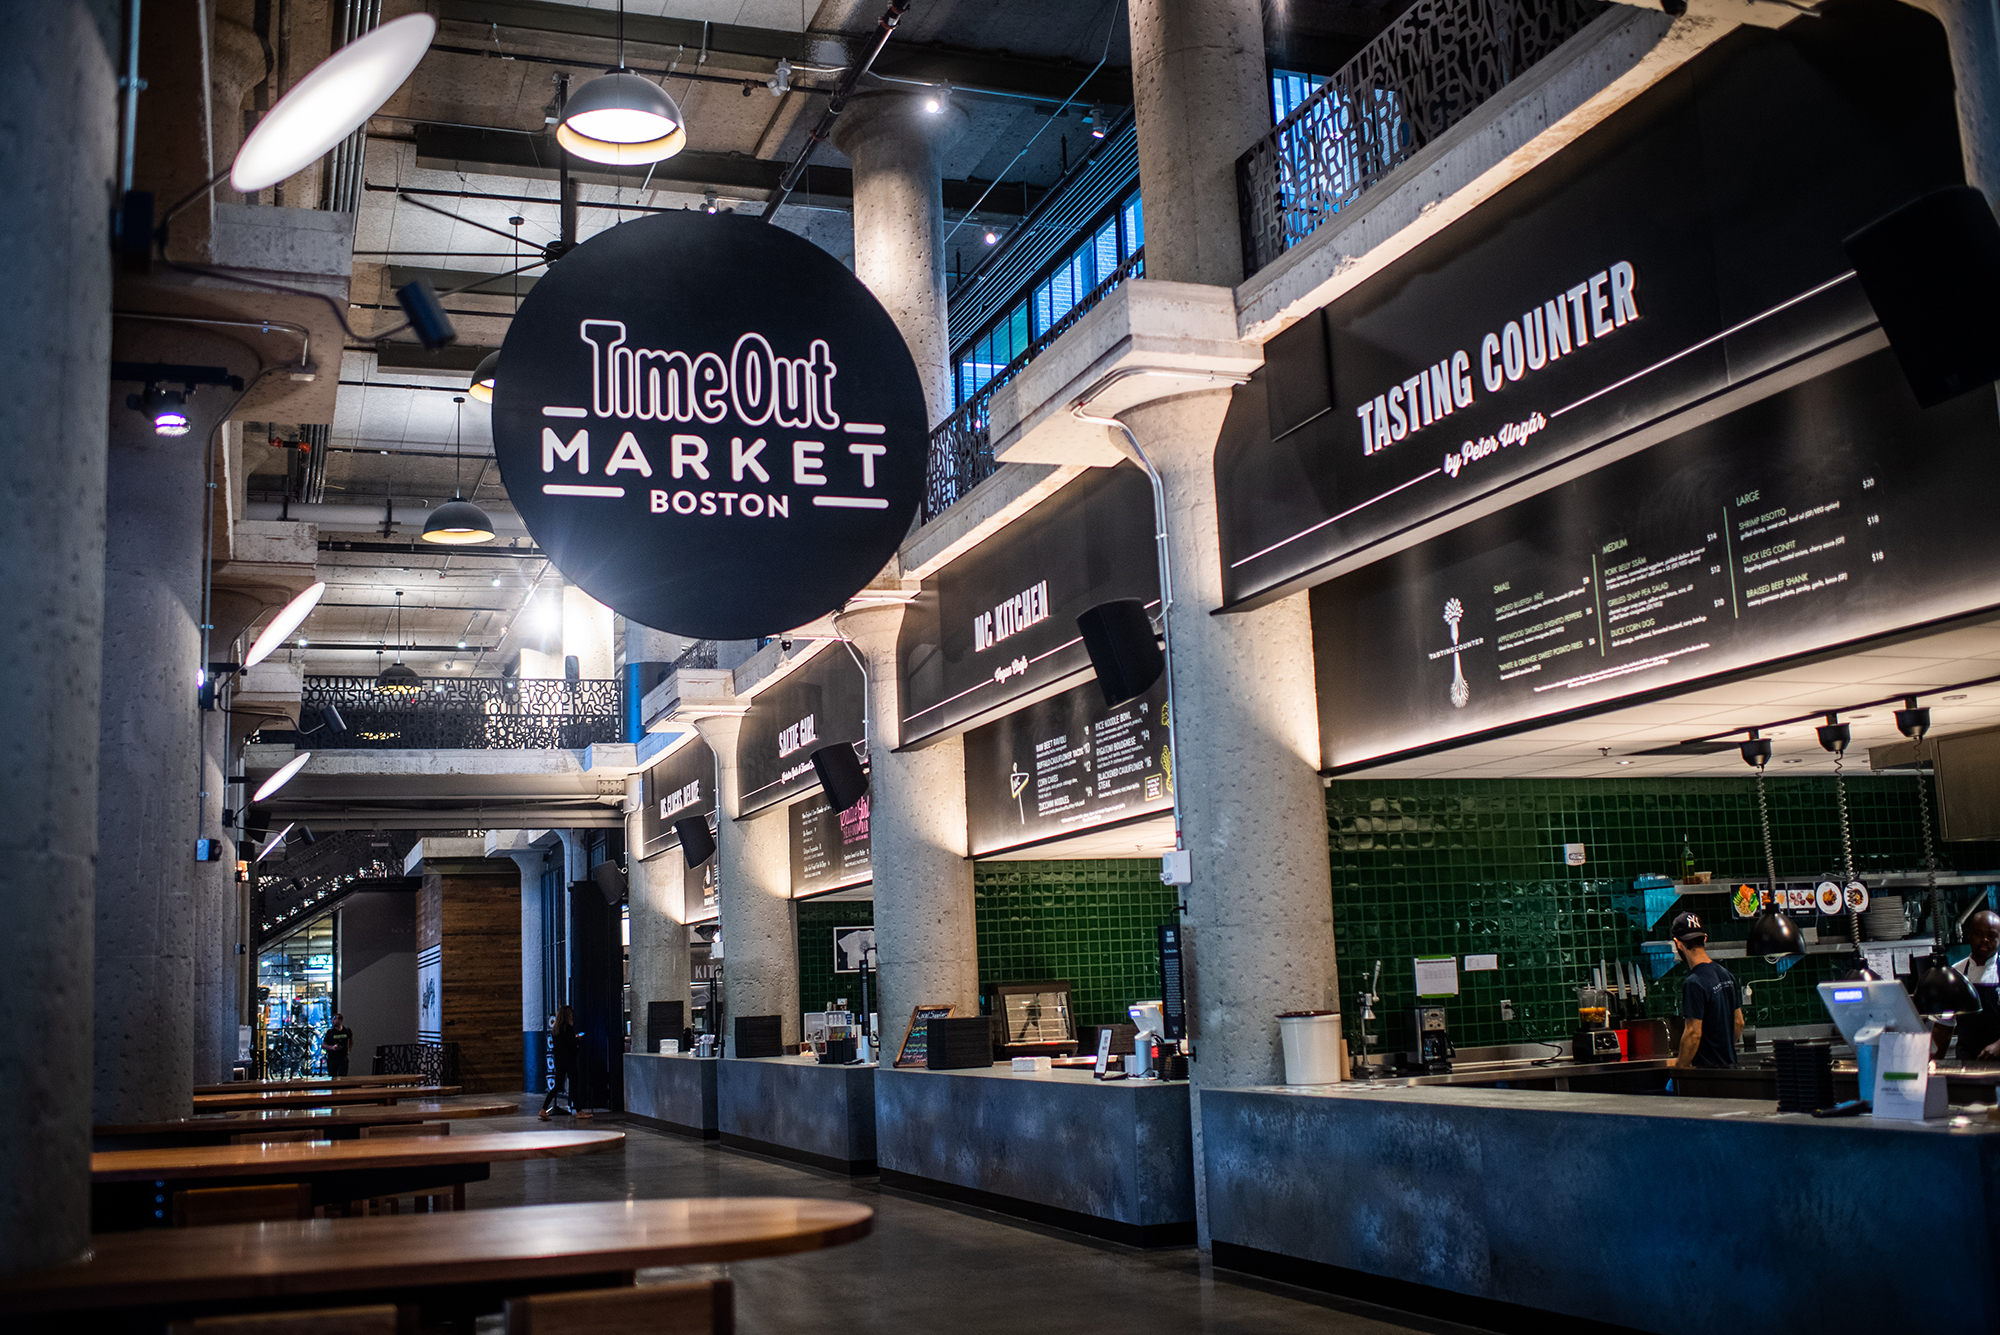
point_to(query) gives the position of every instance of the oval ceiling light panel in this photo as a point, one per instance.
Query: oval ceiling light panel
(331, 103)
(283, 624)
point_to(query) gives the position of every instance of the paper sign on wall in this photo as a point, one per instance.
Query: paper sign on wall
(1437, 975)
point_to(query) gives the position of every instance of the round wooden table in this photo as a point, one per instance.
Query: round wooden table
(335, 1123)
(322, 1098)
(132, 1188)
(474, 1259)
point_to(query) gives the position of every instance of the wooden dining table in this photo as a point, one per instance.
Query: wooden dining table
(463, 1262)
(345, 1123)
(134, 1188)
(316, 1098)
(310, 1082)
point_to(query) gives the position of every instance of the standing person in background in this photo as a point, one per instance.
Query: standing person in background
(564, 1047)
(1711, 1015)
(338, 1044)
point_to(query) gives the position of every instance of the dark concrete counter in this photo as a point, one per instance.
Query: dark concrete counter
(672, 1092)
(1662, 1214)
(794, 1108)
(1110, 1158)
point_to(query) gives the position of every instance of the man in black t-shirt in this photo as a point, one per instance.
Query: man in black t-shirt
(338, 1044)
(1711, 1015)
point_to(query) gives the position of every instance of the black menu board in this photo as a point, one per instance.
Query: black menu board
(817, 703)
(681, 785)
(829, 848)
(1833, 512)
(999, 623)
(699, 886)
(1650, 268)
(1066, 764)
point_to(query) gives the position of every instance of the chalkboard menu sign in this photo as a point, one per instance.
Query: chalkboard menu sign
(829, 848)
(1066, 764)
(680, 785)
(700, 889)
(999, 623)
(1655, 267)
(816, 704)
(916, 1043)
(1833, 512)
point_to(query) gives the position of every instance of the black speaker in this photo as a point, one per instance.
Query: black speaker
(428, 320)
(759, 1036)
(958, 1044)
(840, 774)
(1931, 269)
(697, 844)
(610, 880)
(1118, 636)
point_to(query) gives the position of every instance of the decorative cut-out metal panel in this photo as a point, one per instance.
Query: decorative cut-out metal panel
(1423, 75)
(462, 713)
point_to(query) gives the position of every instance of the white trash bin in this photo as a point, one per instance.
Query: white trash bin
(1312, 1047)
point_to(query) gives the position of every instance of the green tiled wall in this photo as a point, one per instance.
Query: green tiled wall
(819, 985)
(1432, 867)
(1090, 922)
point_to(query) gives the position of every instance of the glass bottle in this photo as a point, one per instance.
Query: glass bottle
(1687, 859)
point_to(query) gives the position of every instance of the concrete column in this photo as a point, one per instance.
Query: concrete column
(216, 914)
(1972, 27)
(760, 962)
(660, 959)
(926, 940)
(1201, 97)
(58, 96)
(535, 1010)
(1246, 755)
(897, 150)
(150, 775)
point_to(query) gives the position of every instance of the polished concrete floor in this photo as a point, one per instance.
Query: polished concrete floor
(930, 1266)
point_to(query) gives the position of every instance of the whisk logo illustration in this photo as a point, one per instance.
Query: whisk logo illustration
(1461, 693)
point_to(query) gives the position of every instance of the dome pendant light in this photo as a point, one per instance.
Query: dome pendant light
(458, 522)
(397, 679)
(1773, 935)
(621, 117)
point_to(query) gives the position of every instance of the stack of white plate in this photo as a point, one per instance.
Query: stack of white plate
(1885, 919)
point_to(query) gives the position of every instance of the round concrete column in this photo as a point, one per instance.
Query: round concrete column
(1201, 97)
(216, 913)
(1246, 756)
(58, 93)
(535, 1010)
(753, 898)
(660, 960)
(926, 940)
(897, 149)
(1972, 29)
(150, 770)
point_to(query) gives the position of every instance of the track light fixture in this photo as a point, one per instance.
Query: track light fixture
(708, 204)
(937, 99)
(1912, 720)
(1834, 735)
(1097, 120)
(1756, 751)
(167, 408)
(992, 237)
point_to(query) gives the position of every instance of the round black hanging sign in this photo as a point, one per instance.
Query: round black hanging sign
(710, 425)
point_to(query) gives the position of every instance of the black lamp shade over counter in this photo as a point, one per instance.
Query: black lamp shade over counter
(1774, 933)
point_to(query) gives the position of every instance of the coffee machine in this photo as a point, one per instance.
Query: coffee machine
(1431, 1049)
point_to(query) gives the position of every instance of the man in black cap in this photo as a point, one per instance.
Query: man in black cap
(1711, 1015)
(1979, 1031)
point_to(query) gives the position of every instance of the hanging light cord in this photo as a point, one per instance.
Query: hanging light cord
(1846, 845)
(1770, 857)
(1924, 773)
(458, 468)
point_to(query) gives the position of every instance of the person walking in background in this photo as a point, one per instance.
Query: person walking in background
(563, 1045)
(338, 1045)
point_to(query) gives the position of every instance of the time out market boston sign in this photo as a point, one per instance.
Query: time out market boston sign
(710, 425)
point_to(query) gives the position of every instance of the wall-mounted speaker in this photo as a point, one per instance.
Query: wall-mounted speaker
(840, 774)
(1931, 269)
(610, 880)
(697, 844)
(1119, 638)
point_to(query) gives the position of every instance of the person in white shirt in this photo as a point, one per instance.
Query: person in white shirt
(1979, 1032)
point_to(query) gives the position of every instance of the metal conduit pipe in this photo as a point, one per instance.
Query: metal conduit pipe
(506, 523)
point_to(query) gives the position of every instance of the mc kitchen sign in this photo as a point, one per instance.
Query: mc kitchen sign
(710, 425)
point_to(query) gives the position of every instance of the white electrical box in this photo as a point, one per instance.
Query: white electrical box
(1177, 868)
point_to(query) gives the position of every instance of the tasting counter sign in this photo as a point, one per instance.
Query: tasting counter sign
(1652, 276)
(710, 425)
